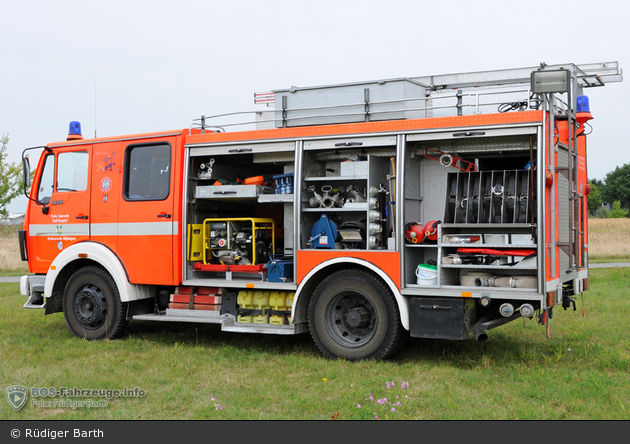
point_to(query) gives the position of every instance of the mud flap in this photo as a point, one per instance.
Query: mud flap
(54, 304)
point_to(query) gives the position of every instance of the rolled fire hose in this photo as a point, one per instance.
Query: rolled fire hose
(513, 281)
(475, 279)
(487, 280)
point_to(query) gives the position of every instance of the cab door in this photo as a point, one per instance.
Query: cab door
(147, 223)
(62, 219)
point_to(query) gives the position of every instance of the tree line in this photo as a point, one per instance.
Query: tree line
(611, 197)
(11, 178)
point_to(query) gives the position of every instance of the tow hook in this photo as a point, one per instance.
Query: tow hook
(567, 301)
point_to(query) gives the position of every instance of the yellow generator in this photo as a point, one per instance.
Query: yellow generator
(238, 241)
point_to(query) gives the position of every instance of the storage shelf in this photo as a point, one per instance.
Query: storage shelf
(414, 286)
(489, 289)
(495, 246)
(333, 210)
(421, 245)
(480, 226)
(488, 267)
(335, 178)
(275, 198)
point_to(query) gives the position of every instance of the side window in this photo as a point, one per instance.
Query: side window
(72, 171)
(45, 189)
(147, 172)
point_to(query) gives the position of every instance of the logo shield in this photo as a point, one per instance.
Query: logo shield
(17, 396)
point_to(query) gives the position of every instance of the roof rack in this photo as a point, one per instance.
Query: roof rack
(412, 97)
(587, 75)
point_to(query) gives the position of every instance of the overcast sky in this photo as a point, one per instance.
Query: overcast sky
(122, 67)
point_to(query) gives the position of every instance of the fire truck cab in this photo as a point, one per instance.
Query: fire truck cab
(431, 207)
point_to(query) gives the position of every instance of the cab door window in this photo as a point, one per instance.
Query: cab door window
(147, 172)
(72, 170)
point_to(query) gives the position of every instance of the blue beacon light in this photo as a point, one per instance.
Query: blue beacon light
(583, 112)
(74, 132)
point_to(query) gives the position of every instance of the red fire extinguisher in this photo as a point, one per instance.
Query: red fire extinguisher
(431, 231)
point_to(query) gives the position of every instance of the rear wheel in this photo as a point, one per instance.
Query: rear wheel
(92, 306)
(354, 316)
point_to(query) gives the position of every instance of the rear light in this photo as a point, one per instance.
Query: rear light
(551, 300)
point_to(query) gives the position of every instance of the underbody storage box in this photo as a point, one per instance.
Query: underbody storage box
(440, 318)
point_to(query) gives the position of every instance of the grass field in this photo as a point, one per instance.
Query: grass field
(609, 239)
(199, 372)
(10, 261)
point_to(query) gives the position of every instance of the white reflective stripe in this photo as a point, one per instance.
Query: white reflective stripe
(124, 229)
(104, 229)
(146, 228)
(52, 230)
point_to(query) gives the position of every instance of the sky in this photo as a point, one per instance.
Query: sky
(134, 66)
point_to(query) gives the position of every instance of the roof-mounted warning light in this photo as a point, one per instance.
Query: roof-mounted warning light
(74, 132)
(583, 111)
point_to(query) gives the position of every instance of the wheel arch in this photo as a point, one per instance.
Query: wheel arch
(83, 254)
(316, 275)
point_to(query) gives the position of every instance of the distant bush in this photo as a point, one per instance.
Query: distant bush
(617, 211)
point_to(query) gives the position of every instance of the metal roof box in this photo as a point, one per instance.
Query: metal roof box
(392, 99)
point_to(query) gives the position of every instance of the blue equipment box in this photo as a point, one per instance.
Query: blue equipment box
(280, 269)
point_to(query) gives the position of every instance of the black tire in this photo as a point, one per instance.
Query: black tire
(92, 306)
(354, 316)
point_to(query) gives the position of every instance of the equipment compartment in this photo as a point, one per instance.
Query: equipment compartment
(346, 198)
(484, 214)
(240, 212)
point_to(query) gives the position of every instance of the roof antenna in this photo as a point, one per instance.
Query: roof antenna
(94, 98)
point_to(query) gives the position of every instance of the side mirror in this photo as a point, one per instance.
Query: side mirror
(26, 169)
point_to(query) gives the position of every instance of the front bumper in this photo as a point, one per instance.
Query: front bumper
(33, 287)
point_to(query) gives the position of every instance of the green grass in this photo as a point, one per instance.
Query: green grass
(14, 273)
(609, 260)
(581, 372)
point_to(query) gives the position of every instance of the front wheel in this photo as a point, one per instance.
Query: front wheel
(354, 316)
(92, 306)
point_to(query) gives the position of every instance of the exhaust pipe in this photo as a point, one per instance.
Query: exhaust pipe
(478, 332)
(480, 335)
(488, 323)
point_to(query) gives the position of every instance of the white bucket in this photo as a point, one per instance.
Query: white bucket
(426, 275)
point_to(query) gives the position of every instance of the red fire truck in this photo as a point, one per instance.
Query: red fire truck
(364, 213)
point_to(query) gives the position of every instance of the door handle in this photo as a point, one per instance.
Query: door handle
(167, 216)
(82, 217)
(349, 144)
(469, 133)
